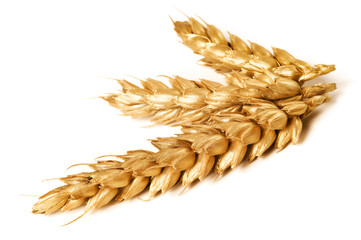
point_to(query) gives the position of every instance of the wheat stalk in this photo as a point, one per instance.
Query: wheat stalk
(186, 158)
(194, 102)
(235, 54)
(263, 104)
(189, 156)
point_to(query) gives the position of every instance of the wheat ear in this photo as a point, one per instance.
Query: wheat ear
(189, 156)
(194, 102)
(261, 106)
(186, 158)
(224, 56)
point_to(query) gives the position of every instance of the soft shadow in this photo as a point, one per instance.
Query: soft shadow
(307, 123)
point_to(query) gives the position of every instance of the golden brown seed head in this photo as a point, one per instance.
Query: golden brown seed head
(209, 42)
(116, 179)
(295, 108)
(324, 69)
(215, 35)
(210, 144)
(83, 190)
(103, 197)
(232, 157)
(51, 203)
(178, 158)
(246, 132)
(193, 98)
(238, 44)
(257, 149)
(318, 89)
(197, 27)
(164, 181)
(263, 103)
(296, 125)
(272, 119)
(288, 71)
(284, 57)
(259, 50)
(72, 204)
(200, 170)
(169, 142)
(137, 185)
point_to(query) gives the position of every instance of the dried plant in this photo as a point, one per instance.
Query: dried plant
(187, 157)
(235, 54)
(195, 102)
(222, 143)
(263, 104)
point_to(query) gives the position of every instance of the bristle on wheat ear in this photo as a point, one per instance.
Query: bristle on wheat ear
(263, 104)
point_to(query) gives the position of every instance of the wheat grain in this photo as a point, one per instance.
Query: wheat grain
(225, 56)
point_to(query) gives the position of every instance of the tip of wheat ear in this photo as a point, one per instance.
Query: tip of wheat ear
(263, 104)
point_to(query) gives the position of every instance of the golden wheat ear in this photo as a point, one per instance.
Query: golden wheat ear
(235, 54)
(224, 124)
(195, 102)
(222, 143)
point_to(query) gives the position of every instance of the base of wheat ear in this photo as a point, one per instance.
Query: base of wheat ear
(262, 104)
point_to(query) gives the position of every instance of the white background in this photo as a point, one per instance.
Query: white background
(54, 60)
